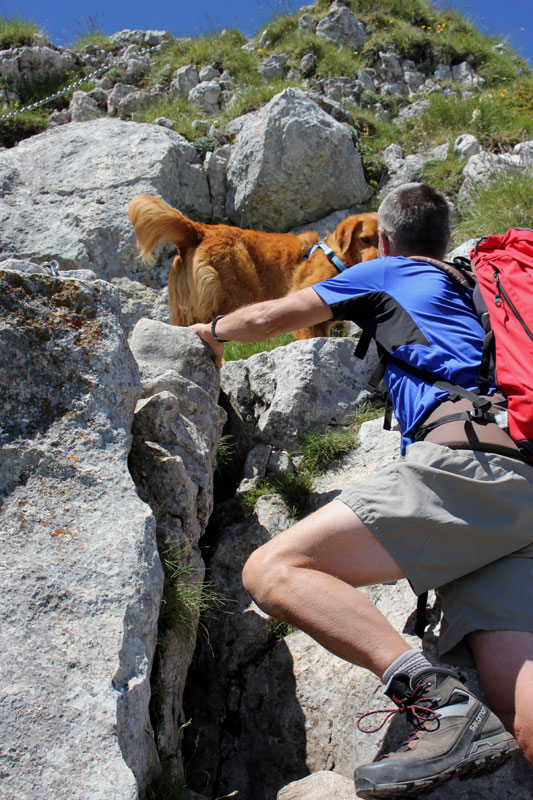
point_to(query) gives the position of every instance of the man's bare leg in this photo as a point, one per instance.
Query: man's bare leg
(504, 660)
(307, 577)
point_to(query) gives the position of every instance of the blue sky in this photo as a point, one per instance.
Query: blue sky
(64, 19)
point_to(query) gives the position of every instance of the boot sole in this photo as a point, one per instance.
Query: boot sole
(473, 767)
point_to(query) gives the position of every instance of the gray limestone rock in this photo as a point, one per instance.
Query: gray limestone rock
(158, 347)
(275, 66)
(149, 38)
(80, 577)
(186, 79)
(442, 72)
(412, 111)
(276, 406)
(308, 65)
(208, 73)
(341, 25)
(117, 95)
(388, 68)
(400, 170)
(484, 166)
(26, 64)
(215, 166)
(306, 23)
(207, 94)
(283, 168)
(466, 145)
(82, 108)
(322, 785)
(66, 193)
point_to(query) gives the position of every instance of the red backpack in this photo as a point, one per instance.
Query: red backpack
(504, 270)
(500, 275)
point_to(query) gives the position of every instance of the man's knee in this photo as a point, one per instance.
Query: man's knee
(264, 576)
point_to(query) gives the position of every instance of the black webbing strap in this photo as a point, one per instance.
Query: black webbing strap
(420, 622)
(362, 345)
(423, 430)
(485, 379)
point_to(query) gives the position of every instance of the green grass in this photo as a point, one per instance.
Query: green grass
(447, 176)
(17, 31)
(282, 629)
(225, 450)
(506, 201)
(498, 119)
(27, 124)
(99, 39)
(245, 502)
(319, 449)
(222, 50)
(235, 351)
(164, 786)
(186, 596)
(92, 31)
(179, 110)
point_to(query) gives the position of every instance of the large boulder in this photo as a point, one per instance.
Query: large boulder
(176, 432)
(65, 193)
(292, 163)
(269, 403)
(80, 576)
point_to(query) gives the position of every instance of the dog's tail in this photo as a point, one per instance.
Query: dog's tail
(156, 222)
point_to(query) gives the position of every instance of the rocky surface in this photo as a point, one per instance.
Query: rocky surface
(80, 576)
(280, 154)
(66, 193)
(109, 451)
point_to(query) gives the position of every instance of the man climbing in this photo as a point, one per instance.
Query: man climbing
(444, 515)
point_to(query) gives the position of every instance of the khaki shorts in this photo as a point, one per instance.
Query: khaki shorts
(460, 522)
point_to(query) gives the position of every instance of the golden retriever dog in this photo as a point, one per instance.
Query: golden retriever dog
(220, 268)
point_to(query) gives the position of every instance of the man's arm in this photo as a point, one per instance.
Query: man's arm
(264, 320)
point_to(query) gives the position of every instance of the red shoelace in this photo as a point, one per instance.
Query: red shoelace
(419, 714)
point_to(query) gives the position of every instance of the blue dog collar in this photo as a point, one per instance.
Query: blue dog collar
(335, 260)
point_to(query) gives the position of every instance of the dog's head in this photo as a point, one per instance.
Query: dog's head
(355, 239)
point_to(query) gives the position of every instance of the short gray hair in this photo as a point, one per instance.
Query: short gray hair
(415, 218)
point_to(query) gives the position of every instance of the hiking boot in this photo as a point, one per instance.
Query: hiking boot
(454, 734)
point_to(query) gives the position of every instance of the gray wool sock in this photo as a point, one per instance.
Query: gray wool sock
(409, 663)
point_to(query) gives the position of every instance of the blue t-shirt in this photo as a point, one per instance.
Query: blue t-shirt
(418, 313)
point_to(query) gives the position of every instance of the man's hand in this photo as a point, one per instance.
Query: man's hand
(217, 348)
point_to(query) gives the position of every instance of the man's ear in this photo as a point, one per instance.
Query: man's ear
(384, 244)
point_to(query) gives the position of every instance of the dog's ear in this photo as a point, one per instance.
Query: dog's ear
(346, 236)
(356, 238)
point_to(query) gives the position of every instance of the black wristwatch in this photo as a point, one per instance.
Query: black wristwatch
(213, 334)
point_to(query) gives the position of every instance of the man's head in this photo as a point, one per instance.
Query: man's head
(414, 219)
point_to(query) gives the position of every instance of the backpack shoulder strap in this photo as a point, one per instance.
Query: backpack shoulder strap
(459, 271)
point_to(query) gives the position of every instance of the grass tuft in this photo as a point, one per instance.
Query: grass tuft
(234, 351)
(319, 449)
(186, 596)
(485, 213)
(17, 32)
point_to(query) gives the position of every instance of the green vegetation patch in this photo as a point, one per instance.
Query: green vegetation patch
(319, 449)
(235, 351)
(186, 596)
(21, 127)
(222, 51)
(17, 32)
(505, 201)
